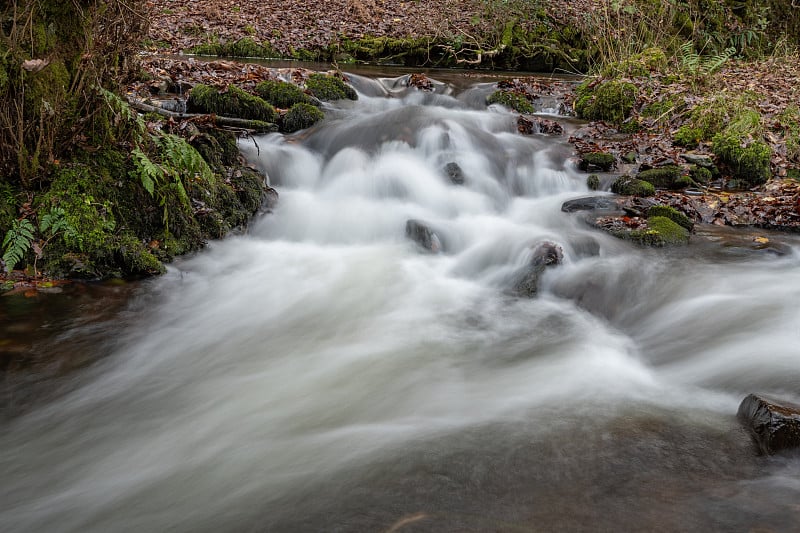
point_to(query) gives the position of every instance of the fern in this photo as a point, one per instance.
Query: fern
(713, 63)
(148, 172)
(17, 242)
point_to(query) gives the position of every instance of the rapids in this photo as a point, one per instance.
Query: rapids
(321, 373)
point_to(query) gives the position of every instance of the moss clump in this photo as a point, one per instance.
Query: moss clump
(639, 65)
(245, 47)
(687, 136)
(667, 177)
(611, 101)
(748, 161)
(300, 117)
(700, 175)
(329, 88)
(628, 186)
(661, 231)
(281, 94)
(672, 214)
(593, 182)
(233, 102)
(511, 100)
(602, 160)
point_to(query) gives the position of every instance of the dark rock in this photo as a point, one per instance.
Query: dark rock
(545, 255)
(454, 172)
(529, 126)
(589, 203)
(423, 235)
(773, 425)
(270, 199)
(421, 82)
(704, 161)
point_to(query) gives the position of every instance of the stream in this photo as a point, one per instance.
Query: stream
(322, 372)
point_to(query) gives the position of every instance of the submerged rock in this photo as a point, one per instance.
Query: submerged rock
(545, 255)
(589, 203)
(773, 425)
(423, 235)
(454, 173)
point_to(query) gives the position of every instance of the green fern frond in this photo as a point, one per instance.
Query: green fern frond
(148, 172)
(17, 242)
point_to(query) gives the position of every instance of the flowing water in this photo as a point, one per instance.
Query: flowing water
(323, 373)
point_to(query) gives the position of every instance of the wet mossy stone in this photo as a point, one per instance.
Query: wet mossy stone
(747, 162)
(233, 102)
(593, 182)
(628, 186)
(700, 175)
(611, 101)
(599, 160)
(672, 214)
(667, 177)
(329, 88)
(511, 100)
(661, 231)
(281, 94)
(300, 117)
(244, 47)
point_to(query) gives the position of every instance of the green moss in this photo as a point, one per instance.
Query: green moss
(747, 161)
(628, 186)
(672, 214)
(638, 65)
(386, 50)
(611, 101)
(593, 182)
(667, 177)
(300, 117)
(329, 88)
(687, 136)
(233, 102)
(281, 94)
(700, 174)
(511, 100)
(245, 47)
(661, 231)
(602, 160)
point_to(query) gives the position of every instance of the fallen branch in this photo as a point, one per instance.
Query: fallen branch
(230, 122)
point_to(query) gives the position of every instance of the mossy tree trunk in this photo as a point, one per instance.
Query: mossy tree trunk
(55, 55)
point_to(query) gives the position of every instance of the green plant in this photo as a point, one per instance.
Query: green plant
(17, 242)
(748, 160)
(698, 66)
(610, 100)
(232, 102)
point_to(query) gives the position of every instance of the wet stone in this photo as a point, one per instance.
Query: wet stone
(589, 203)
(423, 235)
(773, 424)
(454, 173)
(545, 255)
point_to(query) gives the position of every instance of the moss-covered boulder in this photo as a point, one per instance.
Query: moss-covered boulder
(300, 117)
(244, 47)
(232, 102)
(593, 182)
(281, 94)
(671, 213)
(330, 88)
(748, 161)
(596, 161)
(629, 186)
(610, 100)
(660, 231)
(511, 100)
(666, 177)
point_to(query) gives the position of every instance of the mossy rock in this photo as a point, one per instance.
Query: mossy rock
(233, 102)
(671, 213)
(300, 117)
(639, 65)
(700, 175)
(747, 162)
(628, 186)
(245, 47)
(666, 177)
(661, 231)
(611, 101)
(281, 94)
(329, 88)
(600, 160)
(687, 136)
(593, 182)
(511, 100)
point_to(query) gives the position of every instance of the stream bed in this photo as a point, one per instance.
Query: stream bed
(322, 372)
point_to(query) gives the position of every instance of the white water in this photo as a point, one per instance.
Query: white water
(276, 373)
